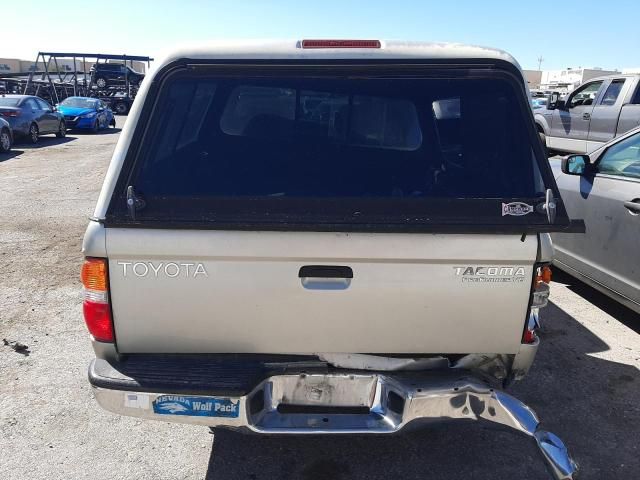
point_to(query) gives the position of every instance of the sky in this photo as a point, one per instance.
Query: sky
(566, 33)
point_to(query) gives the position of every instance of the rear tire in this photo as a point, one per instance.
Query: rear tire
(112, 124)
(121, 108)
(62, 130)
(5, 141)
(34, 134)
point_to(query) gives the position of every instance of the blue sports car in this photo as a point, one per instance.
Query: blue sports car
(86, 113)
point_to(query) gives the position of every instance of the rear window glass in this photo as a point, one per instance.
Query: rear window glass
(378, 122)
(333, 141)
(255, 111)
(9, 101)
(612, 93)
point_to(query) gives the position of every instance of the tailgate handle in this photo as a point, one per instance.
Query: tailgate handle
(325, 271)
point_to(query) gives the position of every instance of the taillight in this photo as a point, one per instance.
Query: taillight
(539, 298)
(95, 305)
(341, 43)
(541, 287)
(10, 113)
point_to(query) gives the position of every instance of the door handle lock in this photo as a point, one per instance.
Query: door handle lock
(633, 206)
(586, 116)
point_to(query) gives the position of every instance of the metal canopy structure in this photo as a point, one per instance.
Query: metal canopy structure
(54, 78)
(97, 56)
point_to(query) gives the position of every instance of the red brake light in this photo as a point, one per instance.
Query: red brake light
(341, 44)
(529, 336)
(97, 316)
(95, 307)
(10, 113)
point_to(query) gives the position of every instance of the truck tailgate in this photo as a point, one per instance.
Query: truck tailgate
(198, 291)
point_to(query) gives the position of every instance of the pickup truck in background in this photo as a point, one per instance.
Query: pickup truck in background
(590, 116)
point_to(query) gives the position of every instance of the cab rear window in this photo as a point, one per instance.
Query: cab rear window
(323, 148)
(377, 122)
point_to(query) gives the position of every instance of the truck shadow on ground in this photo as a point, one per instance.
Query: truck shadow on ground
(591, 403)
(624, 315)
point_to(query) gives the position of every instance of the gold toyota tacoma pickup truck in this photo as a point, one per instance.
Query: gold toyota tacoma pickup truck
(324, 237)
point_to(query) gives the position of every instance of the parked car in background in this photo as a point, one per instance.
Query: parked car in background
(106, 74)
(6, 136)
(594, 113)
(86, 113)
(31, 116)
(538, 103)
(603, 188)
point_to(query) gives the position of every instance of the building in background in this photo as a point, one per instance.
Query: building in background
(567, 80)
(64, 65)
(9, 65)
(533, 78)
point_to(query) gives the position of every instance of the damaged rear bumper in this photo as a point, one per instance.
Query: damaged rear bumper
(333, 402)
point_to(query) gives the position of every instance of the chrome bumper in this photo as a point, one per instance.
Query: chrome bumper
(339, 403)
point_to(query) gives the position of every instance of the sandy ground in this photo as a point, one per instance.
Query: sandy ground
(584, 385)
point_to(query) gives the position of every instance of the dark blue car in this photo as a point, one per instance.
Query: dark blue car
(31, 116)
(86, 113)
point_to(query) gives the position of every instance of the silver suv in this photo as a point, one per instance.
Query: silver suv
(324, 237)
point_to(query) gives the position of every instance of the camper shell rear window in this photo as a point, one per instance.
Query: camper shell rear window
(316, 149)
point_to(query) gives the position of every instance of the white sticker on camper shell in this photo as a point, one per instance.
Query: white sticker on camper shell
(136, 400)
(516, 209)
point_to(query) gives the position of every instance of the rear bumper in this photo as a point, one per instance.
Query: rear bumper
(279, 400)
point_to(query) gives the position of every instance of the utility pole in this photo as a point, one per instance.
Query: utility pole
(540, 60)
